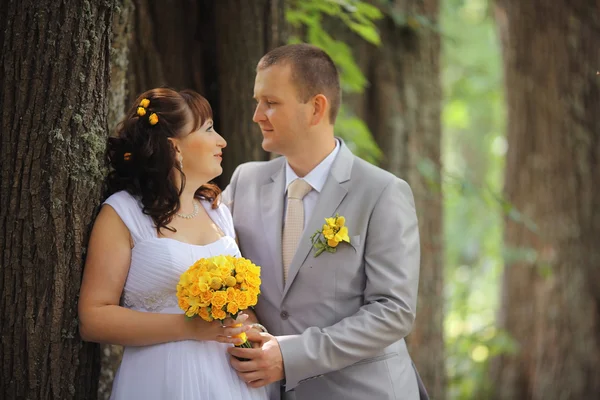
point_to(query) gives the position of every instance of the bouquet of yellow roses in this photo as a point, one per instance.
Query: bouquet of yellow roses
(219, 287)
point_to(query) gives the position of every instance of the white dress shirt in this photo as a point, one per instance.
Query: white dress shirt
(315, 178)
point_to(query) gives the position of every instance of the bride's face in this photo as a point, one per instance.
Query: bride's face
(201, 152)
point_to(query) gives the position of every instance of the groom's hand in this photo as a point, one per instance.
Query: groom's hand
(264, 365)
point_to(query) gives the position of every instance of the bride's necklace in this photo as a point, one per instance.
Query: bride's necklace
(191, 215)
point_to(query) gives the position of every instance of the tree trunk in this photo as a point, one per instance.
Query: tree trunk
(254, 28)
(213, 48)
(402, 108)
(164, 49)
(405, 119)
(54, 74)
(551, 301)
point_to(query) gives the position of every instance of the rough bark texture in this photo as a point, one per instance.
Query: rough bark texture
(164, 50)
(404, 116)
(119, 62)
(54, 73)
(402, 108)
(255, 28)
(211, 47)
(551, 305)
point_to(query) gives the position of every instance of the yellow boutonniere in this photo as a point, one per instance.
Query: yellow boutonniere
(330, 235)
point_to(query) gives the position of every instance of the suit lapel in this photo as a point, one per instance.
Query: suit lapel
(334, 191)
(272, 216)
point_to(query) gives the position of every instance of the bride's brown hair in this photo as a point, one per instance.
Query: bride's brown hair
(142, 158)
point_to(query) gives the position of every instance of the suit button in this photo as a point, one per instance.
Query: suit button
(284, 315)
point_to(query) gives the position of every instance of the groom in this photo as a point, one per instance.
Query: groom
(337, 321)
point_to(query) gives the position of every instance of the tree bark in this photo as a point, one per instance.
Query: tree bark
(551, 302)
(164, 49)
(211, 47)
(54, 73)
(404, 114)
(255, 27)
(402, 108)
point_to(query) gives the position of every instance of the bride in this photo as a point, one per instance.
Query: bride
(161, 216)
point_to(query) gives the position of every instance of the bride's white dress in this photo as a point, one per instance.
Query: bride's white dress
(185, 370)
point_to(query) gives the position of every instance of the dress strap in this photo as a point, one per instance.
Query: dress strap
(129, 209)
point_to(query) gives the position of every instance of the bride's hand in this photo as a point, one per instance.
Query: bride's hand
(232, 328)
(220, 331)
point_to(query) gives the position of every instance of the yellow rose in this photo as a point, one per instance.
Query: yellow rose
(242, 300)
(252, 280)
(141, 111)
(340, 222)
(206, 297)
(230, 294)
(332, 242)
(203, 313)
(241, 265)
(254, 270)
(253, 300)
(144, 103)
(217, 313)
(190, 313)
(195, 290)
(219, 299)
(203, 287)
(183, 303)
(330, 222)
(232, 307)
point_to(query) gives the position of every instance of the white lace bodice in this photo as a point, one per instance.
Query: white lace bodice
(157, 263)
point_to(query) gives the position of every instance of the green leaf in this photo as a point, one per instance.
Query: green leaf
(369, 33)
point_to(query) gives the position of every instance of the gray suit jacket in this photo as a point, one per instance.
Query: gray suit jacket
(341, 318)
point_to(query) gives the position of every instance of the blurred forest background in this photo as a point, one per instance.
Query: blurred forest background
(487, 108)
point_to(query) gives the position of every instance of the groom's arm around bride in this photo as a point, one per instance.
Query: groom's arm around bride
(338, 319)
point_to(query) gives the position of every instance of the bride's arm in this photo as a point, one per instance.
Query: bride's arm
(102, 320)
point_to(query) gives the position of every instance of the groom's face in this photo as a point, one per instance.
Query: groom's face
(282, 117)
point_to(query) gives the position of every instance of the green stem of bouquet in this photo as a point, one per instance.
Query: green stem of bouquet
(246, 345)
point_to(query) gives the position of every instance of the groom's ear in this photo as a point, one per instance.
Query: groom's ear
(320, 106)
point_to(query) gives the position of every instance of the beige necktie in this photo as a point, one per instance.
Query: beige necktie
(294, 222)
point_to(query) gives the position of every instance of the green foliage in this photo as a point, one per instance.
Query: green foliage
(306, 17)
(473, 155)
(357, 136)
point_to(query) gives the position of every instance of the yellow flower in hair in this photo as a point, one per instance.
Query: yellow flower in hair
(153, 119)
(144, 103)
(127, 156)
(141, 111)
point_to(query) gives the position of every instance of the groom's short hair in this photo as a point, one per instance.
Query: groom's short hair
(313, 72)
